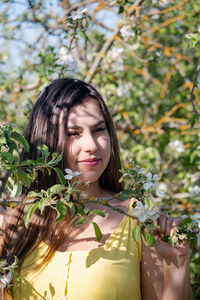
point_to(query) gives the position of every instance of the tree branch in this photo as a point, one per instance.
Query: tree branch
(106, 46)
(75, 6)
(192, 93)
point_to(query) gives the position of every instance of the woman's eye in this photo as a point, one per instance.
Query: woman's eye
(73, 133)
(100, 129)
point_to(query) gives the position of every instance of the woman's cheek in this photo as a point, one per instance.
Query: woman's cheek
(105, 143)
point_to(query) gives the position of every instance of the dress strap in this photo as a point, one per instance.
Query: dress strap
(131, 201)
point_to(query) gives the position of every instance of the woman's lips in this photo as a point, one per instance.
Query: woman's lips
(89, 162)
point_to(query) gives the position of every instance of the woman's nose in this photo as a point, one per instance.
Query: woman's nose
(89, 143)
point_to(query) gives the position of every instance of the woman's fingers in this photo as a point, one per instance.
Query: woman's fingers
(167, 224)
(162, 223)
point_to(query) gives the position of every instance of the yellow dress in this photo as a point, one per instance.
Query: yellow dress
(110, 272)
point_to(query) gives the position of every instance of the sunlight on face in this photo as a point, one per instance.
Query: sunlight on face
(88, 143)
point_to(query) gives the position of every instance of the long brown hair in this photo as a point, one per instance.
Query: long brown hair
(47, 125)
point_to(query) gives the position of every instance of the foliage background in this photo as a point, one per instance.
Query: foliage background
(141, 55)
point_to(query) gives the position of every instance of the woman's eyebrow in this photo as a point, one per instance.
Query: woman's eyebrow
(95, 125)
(99, 123)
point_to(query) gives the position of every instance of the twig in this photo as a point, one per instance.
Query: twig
(75, 6)
(192, 93)
(5, 202)
(106, 46)
(104, 202)
(27, 87)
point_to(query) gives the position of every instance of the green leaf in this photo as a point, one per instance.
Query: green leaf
(32, 195)
(61, 210)
(60, 175)
(12, 145)
(127, 194)
(42, 205)
(67, 197)
(32, 208)
(21, 139)
(24, 178)
(81, 221)
(57, 188)
(44, 149)
(83, 211)
(136, 233)
(97, 231)
(7, 156)
(17, 189)
(73, 208)
(40, 161)
(97, 212)
(149, 239)
(149, 202)
(193, 242)
(29, 163)
(185, 221)
(54, 162)
(32, 175)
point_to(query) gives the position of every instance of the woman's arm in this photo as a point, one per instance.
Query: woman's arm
(2, 216)
(164, 268)
(152, 279)
(177, 279)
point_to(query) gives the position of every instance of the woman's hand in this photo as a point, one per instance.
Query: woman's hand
(175, 261)
(175, 254)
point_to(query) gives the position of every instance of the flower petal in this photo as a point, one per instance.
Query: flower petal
(148, 185)
(76, 173)
(68, 171)
(148, 175)
(68, 177)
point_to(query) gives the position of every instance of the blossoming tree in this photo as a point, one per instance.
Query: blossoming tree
(144, 58)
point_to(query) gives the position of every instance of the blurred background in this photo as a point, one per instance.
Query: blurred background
(143, 57)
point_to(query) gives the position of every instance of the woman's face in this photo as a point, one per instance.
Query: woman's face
(88, 143)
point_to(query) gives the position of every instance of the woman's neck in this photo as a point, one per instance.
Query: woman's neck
(93, 190)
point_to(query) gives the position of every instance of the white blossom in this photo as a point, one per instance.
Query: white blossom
(118, 65)
(198, 240)
(196, 220)
(177, 146)
(156, 177)
(79, 14)
(160, 2)
(194, 190)
(193, 177)
(71, 174)
(115, 52)
(64, 56)
(141, 171)
(174, 239)
(4, 58)
(151, 181)
(124, 89)
(148, 175)
(182, 237)
(127, 32)
(147, 185)
(5, 279)
(12, 106)
(161, 190)
(142, 212)
(154, 12)
(1, 94)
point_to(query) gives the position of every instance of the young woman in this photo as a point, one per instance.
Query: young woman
(71, 118)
